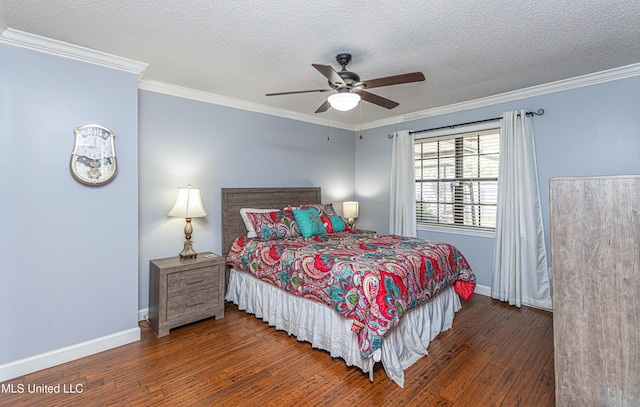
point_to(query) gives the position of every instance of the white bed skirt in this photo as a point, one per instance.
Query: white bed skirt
(326, 329)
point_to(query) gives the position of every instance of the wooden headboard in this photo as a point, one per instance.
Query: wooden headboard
(233, 199)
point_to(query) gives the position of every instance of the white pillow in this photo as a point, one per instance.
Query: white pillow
(251, 232)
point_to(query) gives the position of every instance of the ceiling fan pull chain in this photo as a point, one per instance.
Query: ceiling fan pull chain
(328, 125)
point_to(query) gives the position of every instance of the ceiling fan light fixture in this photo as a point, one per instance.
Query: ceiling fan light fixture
(344, 101)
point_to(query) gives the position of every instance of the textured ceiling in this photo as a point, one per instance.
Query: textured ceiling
(467, 49)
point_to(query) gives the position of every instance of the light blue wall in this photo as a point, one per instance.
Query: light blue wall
(68, 252)
(74, 259)
(592, 130)
(211, 147)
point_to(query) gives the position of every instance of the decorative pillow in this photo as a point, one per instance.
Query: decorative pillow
(321, 209)
(251, 232)
(334, 224)
(274, 225)
(309, 222)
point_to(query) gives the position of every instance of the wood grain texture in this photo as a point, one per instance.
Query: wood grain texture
(185, 290)
(595, 241)
(495, 355)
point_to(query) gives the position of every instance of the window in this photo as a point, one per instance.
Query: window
(457, 179)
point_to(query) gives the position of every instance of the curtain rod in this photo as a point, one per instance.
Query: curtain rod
(540, 112)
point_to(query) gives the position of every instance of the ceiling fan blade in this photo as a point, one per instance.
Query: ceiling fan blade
(330, 74)
(394, 80)
(323, 107)
(298, 91)
(377, 100)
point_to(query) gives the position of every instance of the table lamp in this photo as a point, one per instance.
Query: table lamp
(188, 205)
(350, 211)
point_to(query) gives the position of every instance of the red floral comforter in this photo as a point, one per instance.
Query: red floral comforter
(372, 279)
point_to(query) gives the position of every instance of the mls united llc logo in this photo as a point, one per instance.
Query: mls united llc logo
(20, 388)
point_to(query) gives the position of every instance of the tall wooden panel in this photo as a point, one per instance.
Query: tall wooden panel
(595, 242)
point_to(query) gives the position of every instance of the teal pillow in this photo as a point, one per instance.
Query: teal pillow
(309, 222)
(338, 223)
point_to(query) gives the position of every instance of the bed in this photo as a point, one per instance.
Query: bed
(363, 297)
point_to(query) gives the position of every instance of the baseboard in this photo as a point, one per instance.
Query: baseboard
(48, 359)
(143, 314)
(482, 290)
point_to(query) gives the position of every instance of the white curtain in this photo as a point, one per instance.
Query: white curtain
(520, 274)
(402, 208)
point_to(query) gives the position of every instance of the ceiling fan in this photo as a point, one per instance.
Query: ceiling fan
(350, 89)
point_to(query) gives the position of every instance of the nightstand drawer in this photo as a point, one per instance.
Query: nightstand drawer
(185, 290)
(190, 281)
(180, 306)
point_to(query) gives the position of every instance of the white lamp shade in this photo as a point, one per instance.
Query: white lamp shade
(350, 209)
(344, 101)
(188, 205)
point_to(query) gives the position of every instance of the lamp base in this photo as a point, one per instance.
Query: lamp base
(188, 252)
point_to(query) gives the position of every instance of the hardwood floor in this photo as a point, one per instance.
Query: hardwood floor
(495, 355)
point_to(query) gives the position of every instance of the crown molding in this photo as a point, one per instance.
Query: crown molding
(557, 86)
(54, 47)
(614, 74)
(65, 50)
(201, 96)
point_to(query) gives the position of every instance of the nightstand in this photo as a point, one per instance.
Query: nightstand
(182, 291)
